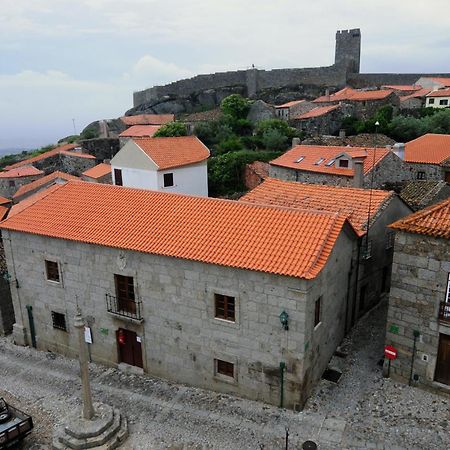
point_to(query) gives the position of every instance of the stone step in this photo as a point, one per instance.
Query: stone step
(105, 418)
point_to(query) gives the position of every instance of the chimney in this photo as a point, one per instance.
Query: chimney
(295, 142)
(341, 134)
(399, 150)
(327, 94)
(358, 177)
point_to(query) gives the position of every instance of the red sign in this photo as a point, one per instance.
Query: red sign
(390, 352)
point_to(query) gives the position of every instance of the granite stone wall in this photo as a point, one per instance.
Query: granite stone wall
(9, 186)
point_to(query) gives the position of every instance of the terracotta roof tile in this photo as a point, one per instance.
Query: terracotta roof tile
(4, 200)
(428, 149)
(223, 232)
(25, 171)
(417, 94)
(313, 153)
(3, 211)
(140, 130)
(289, 104)
(444, 81)
(440, 93)
(168, 152)
(98, 171)
(45, 155)
(403, 87)
(148, 119)
(432, 221)
(77, 154)
(42, 182)
(370, 95)
(420, 193)
(354, 95)
(317, 112)
(343, 94)
(351, 202)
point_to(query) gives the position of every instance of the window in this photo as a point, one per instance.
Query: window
(330, 162)
(12, 183)
(125, 293)
(52, 271)
(224, 368)
(319, 162)
(168, 179)
(59, 321)
(431, 101)
(118, 177)
(447, 295)
(299, 159)
(443, 102)
(367, 250)
(390, 238)
(421, 176)
(343, 163)
(317, 311)
(225, 307)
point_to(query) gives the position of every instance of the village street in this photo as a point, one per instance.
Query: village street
(362, 411)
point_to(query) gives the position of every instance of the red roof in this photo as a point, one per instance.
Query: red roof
(26, 171)
(228, 233)
(45, 155)
(444, 81)
(148, 119)
(352, 202)
(317, 112)
(428, 149)
(312, 154)
(354, 95)
(343, 94)
(440, 93)
(42, 181)
(77, 154)
(289, 104)
(32, 199)
(421, 93)
(403, 87)
(3, 211)
(98, 171)
(432, 221)
(168, 152)
(140, 130)
(4, 200)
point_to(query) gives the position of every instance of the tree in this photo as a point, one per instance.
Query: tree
(235, 106)
(274, 140)
(172, 129)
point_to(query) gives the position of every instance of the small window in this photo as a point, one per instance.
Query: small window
(225, 307)
(319, 162)
(317, 308)
(367, 250)
(330, 162)
(443, 102)
(118, 177)
(125, 294)
(168, 179)
(59, 321)
(52, 270)
(447, 295)
(299, 159)
(421, 175)
(431, 101)
(390, 238)
(12, 183)
(224, 368)
(343, 163)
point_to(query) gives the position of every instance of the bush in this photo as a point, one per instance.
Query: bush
(235, 106)
(172, 129)
(274, 140)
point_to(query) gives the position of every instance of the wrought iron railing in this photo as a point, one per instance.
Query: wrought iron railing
(444, 312)
(124, 307)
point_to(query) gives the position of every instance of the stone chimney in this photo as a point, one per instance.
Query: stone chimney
(295, 142)
(341, 134)
(399, 150)
(358, 177)
(327, 94)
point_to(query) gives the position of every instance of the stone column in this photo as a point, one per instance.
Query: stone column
(88, 408)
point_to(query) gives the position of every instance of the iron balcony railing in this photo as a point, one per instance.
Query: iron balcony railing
(124, 307)
(444, 311)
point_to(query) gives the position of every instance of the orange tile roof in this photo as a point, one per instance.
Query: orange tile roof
(403, 87)
(140, 130)
(148, 119)
(168, 152)
(98, 171)
(289, 104)
(440, 93)
(313, 153)
(351, 202)
(317, 112)
(3, 211)
(228, 233)
(354, 95)
(4, 200)
(26, 171)
(343, 94)
(421, 93)
(43, 181)
(370, 95)
(432, 221)
(32, 199)
(428, 149)
(442, 80)
(77, 155)
(45, 155)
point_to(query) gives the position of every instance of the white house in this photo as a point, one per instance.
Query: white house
(171, 164)
(438, 99)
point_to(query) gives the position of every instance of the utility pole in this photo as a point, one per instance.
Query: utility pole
(74, 128)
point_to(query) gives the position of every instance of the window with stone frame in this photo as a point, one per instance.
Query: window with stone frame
(317, 311)
(52, 271)
(421, 175)
(59, 321)
(224, 368)
(225, 307)
(125, 293)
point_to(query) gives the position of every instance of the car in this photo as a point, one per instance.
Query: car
(14, 425)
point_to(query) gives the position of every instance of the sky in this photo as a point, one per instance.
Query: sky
(66, 63)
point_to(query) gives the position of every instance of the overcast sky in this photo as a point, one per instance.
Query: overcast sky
(82, 59)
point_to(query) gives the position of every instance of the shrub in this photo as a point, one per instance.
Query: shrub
(172, 129)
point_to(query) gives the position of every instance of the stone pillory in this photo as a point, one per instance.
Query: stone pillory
(213, 231)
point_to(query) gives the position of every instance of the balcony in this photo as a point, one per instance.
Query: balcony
(444, 312)
(124, 308)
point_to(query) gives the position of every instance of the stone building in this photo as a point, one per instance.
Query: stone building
(427, 157)
(418, 323)
(147, 119)
(415, 100)
(320, 120)
(289, 110)
(101, 173)
(373, 249)
(11, 180)
(228, 296)
(255, 173)
(173, 164)
(340, 166)
(419, 194)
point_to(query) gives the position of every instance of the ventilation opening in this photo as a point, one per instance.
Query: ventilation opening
(332, 375)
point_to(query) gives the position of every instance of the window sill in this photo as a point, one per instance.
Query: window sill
(54, 283)
(317, 326)
(225, 379)
(125, 318)
(224, 322)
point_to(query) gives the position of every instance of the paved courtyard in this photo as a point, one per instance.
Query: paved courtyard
(363, 410)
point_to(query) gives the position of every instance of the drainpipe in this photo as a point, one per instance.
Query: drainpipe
(416, 334)
(347, 299)
(31, 321)
(282, 369)
(355, 293)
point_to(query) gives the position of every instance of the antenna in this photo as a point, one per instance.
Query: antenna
(74, 128)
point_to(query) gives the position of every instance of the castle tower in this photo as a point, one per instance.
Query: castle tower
(348, 49)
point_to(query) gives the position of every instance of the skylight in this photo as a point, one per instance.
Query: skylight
(321, 160)
(330, 162)
(299, 159)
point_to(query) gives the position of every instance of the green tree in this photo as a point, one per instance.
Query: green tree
(235, 106)
(172, 129)
(274, 140)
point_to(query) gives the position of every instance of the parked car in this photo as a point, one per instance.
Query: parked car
(14, 425)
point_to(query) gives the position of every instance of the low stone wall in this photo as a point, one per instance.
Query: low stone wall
(101, 148)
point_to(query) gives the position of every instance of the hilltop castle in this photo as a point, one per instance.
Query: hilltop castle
(276, 86)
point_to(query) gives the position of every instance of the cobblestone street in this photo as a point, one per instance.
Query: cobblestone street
(363, 411)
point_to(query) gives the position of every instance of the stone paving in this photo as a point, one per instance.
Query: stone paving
(350, 415)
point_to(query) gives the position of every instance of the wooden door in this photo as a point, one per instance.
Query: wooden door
(442, 373)
(129, 347)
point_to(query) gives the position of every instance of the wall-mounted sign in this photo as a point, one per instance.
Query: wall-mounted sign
(390, 352)
(393, 329)
(87, 335)
(104, 331)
